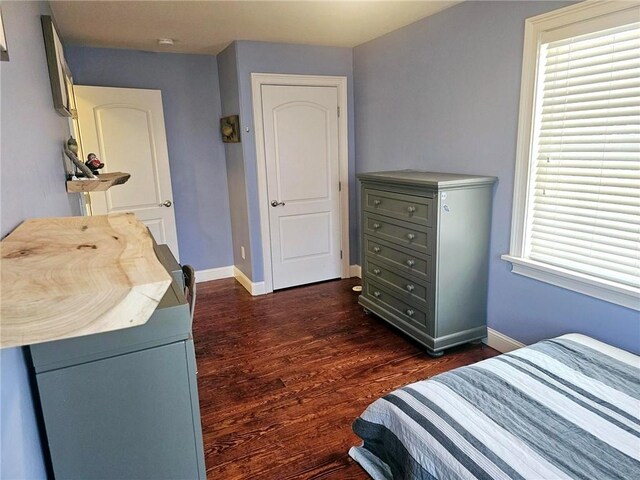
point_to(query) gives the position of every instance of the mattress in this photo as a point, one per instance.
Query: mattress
(568, 407)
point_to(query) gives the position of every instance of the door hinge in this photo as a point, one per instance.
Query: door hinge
(341, 254)
(339, 186)
(338, 111)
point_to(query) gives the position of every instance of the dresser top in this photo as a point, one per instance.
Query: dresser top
(74, 276)
(427, 179)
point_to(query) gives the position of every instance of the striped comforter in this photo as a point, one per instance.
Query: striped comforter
(562, 408)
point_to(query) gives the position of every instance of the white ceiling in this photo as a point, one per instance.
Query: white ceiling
(207, 27)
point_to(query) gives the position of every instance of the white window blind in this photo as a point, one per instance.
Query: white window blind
(584, 195)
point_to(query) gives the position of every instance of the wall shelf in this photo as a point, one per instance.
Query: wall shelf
(102, 182)
(73, 276)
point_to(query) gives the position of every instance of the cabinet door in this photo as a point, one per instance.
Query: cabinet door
(128, 416)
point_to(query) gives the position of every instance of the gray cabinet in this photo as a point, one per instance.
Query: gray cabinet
(425, 242)
(124, 404)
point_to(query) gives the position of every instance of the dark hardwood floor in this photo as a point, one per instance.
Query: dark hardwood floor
(283, 376)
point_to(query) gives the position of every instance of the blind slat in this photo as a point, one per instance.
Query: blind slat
(588, 213)
(583, 114)
(592, 238)
(628, 257)
(563, 98)
(578, 264)
(623, 41)
(582, 228)
(589, 79)
(571, 219)
(602, 54)
(596, 36)
(557, 195)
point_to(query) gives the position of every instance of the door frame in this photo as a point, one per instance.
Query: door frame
(257, 81)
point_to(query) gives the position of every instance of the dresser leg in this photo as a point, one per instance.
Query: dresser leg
(435, 354)
(476, 342)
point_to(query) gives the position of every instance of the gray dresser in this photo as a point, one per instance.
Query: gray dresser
(124, 404)
(425, 242)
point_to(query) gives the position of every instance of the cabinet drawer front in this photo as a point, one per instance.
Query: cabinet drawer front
(402, 261)
(405, 288)
(398, 205)
(413, 236)
(397, 306)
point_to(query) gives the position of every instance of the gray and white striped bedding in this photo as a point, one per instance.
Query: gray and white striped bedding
(562, 408)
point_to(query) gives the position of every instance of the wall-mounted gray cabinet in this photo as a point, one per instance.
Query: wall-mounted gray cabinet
(425, 241)
(124, 404)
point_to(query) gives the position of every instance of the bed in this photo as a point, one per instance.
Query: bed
(568, 407)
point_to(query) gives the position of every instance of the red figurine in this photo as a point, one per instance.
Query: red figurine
(94, 163)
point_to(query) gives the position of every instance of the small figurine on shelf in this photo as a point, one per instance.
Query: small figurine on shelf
(94, 163)
(71, 151)
(72, 145)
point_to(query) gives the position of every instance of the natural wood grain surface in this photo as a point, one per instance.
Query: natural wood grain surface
(282, 377)
(102, 182)
(73, 276)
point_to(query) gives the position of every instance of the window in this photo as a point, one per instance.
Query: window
(576, 218)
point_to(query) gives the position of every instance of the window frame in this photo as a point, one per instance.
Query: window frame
(535, 28)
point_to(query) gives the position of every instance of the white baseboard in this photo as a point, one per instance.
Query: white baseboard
(501, 342)
(355, 271)
(214, 274)
(254, 288)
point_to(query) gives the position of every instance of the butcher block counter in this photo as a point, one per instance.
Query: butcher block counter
(73, 276)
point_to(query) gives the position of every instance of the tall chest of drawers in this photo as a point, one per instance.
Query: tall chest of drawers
(425, 254)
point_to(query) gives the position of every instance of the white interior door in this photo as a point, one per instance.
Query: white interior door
(301, 149)
(124, 127)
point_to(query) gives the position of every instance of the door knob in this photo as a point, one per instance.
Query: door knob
(166, 203)
(275, 203)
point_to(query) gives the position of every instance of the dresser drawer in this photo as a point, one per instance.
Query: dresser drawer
(406, 288)
(413, 236)
(401, 206)
(397, 306)
(405, 261)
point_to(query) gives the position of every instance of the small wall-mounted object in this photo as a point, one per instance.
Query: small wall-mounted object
(86, 177)
(59, 73)
(230, 129)
(4, 52)
(99, 183)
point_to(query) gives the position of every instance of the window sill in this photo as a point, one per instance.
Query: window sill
(605, 290)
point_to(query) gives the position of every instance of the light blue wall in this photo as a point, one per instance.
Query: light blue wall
(230, 98)
(191, 100)
(442, 94)
(32, 185)
(262, 57)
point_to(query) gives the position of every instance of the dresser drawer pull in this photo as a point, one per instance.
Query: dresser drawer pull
(376, 271)
(410, 288)
(377, 202)
(410, 312)
(377, 294)
(411, 263)
(411, 209)
(377, 249)
(411, 236)
(376, 226)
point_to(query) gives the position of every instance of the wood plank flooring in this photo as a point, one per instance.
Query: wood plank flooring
(282, 377)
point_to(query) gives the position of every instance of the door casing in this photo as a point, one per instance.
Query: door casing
(257, 81)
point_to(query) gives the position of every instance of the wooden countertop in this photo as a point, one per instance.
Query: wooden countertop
(73, 276)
